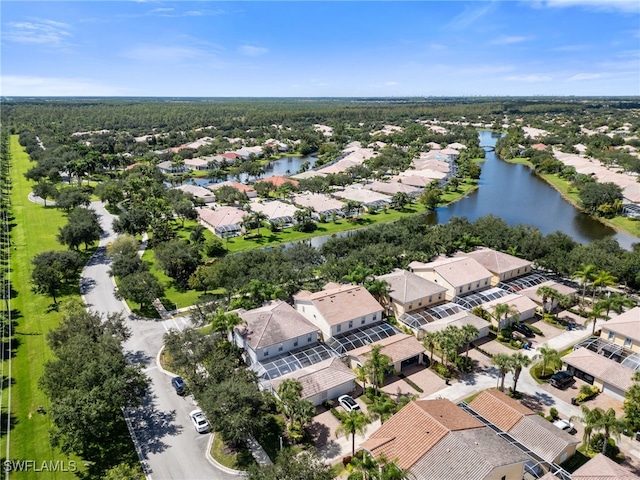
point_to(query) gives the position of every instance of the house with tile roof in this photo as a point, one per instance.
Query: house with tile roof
(202, 194)
(320, 203)
(402, 349)
(611, 377)
(409, 292)
(460, 276)
(459, 320)
(276, 211)
(278, 180)
(525, 307)
(223, 221)
(169, 167)
(551, 303)
(271, 330)
(624, 330)
(504, 267)
(197, 164)
(248, 190)
(436, 439)
(527, 427)
(321, 381)
(601, 467)
(338, 308)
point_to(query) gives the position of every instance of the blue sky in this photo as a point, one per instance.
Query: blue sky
(324, 48)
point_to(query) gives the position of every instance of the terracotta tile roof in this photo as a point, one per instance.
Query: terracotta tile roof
(411, 433)
(449, 414)
(500, 409)
(344, 303)
(230, 183)
(273, 324)
(279, 180)
(627, 324)
(542, 437)
(319, 377)
(467, 455)
(600, 367)
(494, 261)
(221, 216)
(602, 468)
(406, 286)
(398, 347)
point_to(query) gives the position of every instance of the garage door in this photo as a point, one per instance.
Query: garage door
(614, 392)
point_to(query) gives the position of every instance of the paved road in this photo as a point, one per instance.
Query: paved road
(169, 446)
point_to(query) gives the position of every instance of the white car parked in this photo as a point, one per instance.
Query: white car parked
(564, 425)
(199, 421)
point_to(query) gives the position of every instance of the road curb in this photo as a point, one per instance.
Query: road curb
(212, 461)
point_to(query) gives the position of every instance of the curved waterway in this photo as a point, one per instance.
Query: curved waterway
(516, 194)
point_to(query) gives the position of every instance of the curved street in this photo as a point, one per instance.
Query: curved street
(167, 443)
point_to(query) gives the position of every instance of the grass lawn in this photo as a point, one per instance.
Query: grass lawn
(238, 460)
(35, 231)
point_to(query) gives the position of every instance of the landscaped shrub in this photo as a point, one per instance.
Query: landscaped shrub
(536, 330)
(553, 412)
(464, 364)
(596, 442)
(586, 393)
(441, 370)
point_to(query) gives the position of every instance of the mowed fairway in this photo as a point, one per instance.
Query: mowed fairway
(34, 232)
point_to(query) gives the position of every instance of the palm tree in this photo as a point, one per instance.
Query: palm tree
(351, 423)
(590, 419)
(257, 218)
(450, 341)
(597, 312)
(504, 311)
(518, 362)
(226, 322)
(616, 302)
(377, 366)
(358, 275)
(503, 362)
(549, 356)
(380, 291)
(468, 333)
(610, 426)
(547, 293)
(601, 280)
(430, 342)
(585, 275)
(382, 408)
(289, 392)
(361, 376)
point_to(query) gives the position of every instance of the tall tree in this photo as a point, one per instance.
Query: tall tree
(83, 227)
(351, 423)
(377, 365)
(503, 363)
(548, 356)
(610, 427)
(585, 275)
(468, 333)
(53, 270)
(632, 404)
(518, 362)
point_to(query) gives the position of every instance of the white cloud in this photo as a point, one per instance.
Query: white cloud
(469, 16)
(252, 50)
(606, 5)
(390, 84)
(38, 32)
(508, 40)
(530, 78)
(585, 76)
(23, 85)
(162, 53)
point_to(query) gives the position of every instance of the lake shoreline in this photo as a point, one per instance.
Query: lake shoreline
(568, 198)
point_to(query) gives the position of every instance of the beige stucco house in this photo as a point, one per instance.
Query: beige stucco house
(337, 309)
(460, 276)
(409, 292)
(624, 330)
(503, 267)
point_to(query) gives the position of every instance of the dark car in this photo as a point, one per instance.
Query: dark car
(179, 385)
(523, 329)
(561, 379)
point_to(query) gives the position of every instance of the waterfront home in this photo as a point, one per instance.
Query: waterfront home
(502, 266)
(276, 211)
(170, 167)
(248, 190)
(197, 164)
(437, 439)
(201, 194)
(409, 292)
(458, 275)
(223, 221)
